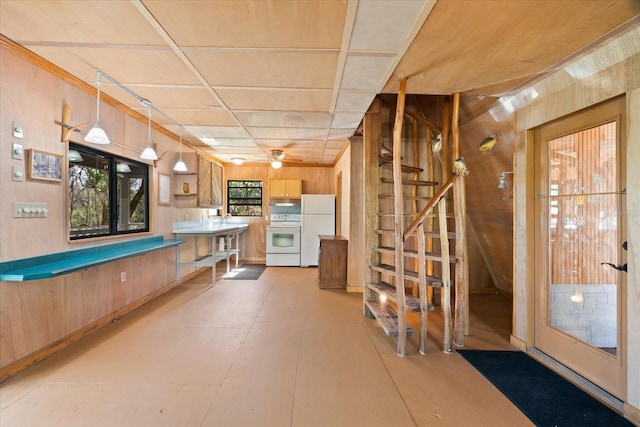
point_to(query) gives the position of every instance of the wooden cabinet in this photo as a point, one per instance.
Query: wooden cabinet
(332, 262)
(285, 188)
(209, 184)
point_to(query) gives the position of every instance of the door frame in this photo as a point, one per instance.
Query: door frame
(567, 353)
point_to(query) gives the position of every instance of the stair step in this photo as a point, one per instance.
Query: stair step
(383, 288)
(434, 234)
(409, 198)
(411, 253)
(431, 215)
(386, 164)
(408, 274)
(387, 317)
(411, 182)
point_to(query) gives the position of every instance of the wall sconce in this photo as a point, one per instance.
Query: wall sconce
(237, 160)
(502, 184)
(180, 165)
(97, 135)
(149, 153)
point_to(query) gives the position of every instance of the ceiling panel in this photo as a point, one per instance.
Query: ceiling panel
(301, 73)
(292, 69)
(285, 119)
(276, 99)
(78, 22)
(257, 23)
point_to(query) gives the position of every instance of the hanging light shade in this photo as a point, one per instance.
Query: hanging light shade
(74, 156)
(276, 164)
(149, 153)
(97, 135)
(123, 167)
(180, 165)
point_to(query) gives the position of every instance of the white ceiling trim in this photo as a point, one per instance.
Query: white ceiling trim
(349, 22)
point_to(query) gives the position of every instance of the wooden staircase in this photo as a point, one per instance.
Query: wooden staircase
(405, 255)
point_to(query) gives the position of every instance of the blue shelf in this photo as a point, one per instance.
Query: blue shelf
(57, 264)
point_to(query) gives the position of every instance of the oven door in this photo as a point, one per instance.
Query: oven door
(283, 240)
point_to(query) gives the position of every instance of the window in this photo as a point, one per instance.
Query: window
(108, 195)
(244, 198)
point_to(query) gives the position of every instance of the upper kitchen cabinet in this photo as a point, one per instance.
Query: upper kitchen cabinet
(209, 184)
(285, 188)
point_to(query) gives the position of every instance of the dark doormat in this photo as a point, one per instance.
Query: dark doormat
(245, 272)
(541, 394)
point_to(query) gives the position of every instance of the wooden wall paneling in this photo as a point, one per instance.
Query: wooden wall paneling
(357, 250)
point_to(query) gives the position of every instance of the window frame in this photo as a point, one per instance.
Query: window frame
(112, 201)
(230, 199)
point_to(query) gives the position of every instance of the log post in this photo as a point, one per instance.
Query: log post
(422, 288)
(446, 276)
(462, 267)
(398, 219)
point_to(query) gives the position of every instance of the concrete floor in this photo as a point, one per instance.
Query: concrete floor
(277, 351)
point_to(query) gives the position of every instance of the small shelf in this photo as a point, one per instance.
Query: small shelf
(185, 194)
(185, 173)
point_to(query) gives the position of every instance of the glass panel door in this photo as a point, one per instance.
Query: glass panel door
(580, 239)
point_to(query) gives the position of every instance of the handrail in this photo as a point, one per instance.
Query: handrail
(427, 209)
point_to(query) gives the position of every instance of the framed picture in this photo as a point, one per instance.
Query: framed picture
(44, 166)
(163, 189)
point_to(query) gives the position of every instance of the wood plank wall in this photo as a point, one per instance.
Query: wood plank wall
(315, 180)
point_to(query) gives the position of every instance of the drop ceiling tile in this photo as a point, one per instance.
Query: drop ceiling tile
(72, 21)
(280, 144)
(276, 99)
(216, 131)
(233, 23)
(288, 133)
(339, 144)
(341, 133)
(288, 119)
(231, 142)
(293, 69)
(365, 72)
(176, 97)
(346, 120)
(146, 66)
(201, 117)
(354, 102)
(396, 17)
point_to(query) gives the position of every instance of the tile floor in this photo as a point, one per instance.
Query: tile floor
(277, 351)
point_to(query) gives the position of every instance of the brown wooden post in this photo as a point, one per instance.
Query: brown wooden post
(414, 193)
(422, 288)
(398, 219)
(459, 208)
(372, 138)
(446, 275)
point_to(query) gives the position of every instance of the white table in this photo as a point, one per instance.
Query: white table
(212, 231)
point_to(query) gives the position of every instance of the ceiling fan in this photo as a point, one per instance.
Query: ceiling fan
(278, 157)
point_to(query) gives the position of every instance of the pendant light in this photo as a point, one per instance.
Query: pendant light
(97, 135)
(149, 153)
(180, 165)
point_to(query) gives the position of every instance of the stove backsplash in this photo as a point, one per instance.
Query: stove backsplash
(295, 209)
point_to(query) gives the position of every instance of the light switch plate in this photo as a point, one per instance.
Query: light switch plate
(17, 130)
(17, 152)
(17, 173)
(30, 210)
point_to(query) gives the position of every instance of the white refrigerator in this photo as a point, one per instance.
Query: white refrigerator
(318, 218)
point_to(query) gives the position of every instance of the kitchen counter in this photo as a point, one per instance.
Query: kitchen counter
(230, 231)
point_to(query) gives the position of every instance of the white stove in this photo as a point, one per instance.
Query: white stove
(283, 240)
